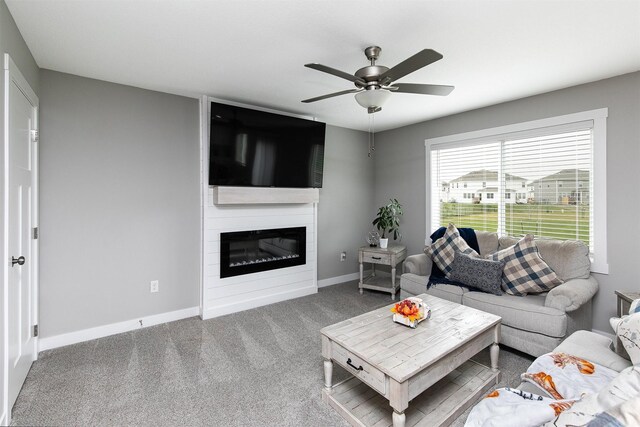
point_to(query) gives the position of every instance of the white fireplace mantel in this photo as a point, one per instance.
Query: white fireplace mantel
(223, 195)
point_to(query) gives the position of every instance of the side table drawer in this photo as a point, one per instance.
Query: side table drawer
(376, 258)
(368, 374)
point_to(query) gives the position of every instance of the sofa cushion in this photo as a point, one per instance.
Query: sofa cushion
(482, 274)
(594, 347)
(525, 271)
(443, 250)
(413, 283)
(487, 242)
(525, 313)
(451, 293)
(568, 258)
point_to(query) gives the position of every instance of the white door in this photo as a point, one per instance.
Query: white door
(21, 121)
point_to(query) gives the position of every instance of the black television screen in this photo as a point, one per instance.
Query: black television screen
(252, 148)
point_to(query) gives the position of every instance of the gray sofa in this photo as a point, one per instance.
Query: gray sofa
(534, 324)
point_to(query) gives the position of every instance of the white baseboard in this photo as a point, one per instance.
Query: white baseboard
(347, 278)
(257, 302)
(338, 279)
(61, 340)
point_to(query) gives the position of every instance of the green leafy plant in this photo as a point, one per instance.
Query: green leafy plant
(388, 219)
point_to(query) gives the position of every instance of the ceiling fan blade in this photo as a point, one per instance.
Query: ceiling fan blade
(331, 95)
(335, 72)
(409, 65)
(440, 90)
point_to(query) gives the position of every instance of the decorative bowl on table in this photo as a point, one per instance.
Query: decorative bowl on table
(410, 312)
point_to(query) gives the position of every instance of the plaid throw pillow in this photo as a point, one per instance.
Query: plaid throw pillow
(443, 251)
(524, 270)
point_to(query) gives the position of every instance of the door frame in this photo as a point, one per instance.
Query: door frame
(13, 75)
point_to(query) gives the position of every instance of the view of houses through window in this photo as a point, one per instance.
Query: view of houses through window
(538, 185)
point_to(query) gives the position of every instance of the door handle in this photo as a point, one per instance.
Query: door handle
(19, 261)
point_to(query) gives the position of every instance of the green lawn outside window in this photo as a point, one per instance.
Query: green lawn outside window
(564, 222)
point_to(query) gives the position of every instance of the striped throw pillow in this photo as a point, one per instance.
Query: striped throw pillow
(525, 272)
(443, 250)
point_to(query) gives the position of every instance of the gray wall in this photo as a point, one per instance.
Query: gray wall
(345, 208)
(11, 42)
(400, 169)
(119, 203)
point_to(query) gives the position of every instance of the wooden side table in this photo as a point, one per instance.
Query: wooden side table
(390, 256)
(625, 298)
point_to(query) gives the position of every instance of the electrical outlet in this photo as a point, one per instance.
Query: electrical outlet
(343, 256)
(154, 286)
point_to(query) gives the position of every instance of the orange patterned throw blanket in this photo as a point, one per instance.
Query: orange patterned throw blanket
(563, 380)
(584, 366)
(543, 381)
(563, 376)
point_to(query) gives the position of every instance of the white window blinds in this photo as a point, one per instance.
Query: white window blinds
(558, 170)
(470, 170)
(537, 182)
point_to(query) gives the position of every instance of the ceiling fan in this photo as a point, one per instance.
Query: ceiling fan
(374, 83)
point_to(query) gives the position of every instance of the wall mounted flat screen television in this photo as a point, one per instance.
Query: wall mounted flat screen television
(251, 148)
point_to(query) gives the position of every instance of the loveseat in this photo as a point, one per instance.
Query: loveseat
(535, 323)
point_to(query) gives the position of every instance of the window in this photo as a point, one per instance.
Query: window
(465, 185)
(560, 160)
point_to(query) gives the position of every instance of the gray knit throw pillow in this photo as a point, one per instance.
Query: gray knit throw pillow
(482, 274)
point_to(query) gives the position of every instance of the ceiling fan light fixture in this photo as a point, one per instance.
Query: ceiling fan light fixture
(372, 99)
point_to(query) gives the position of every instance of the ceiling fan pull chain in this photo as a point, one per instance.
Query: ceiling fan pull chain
(369, 135)
(373, 132)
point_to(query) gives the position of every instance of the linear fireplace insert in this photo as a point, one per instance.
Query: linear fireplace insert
(244, 252)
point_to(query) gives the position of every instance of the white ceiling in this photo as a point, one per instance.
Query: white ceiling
(253, 51)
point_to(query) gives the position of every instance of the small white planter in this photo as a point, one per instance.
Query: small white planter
(384, 243)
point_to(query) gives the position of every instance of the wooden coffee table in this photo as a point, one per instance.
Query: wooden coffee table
(393, 365)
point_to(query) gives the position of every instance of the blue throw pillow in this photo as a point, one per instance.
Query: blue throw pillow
(482, 274)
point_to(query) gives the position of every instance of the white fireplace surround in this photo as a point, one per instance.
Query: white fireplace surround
(228, 209)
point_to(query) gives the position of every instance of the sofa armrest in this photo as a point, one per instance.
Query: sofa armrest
(419, 264)
(572, 294)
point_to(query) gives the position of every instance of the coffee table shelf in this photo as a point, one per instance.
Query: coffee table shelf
(438, 406)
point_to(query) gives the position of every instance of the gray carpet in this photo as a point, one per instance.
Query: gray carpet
(261, 367)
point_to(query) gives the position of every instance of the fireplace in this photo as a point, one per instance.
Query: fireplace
(244, 252)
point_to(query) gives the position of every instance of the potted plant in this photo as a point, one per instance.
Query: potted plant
(388, 221)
